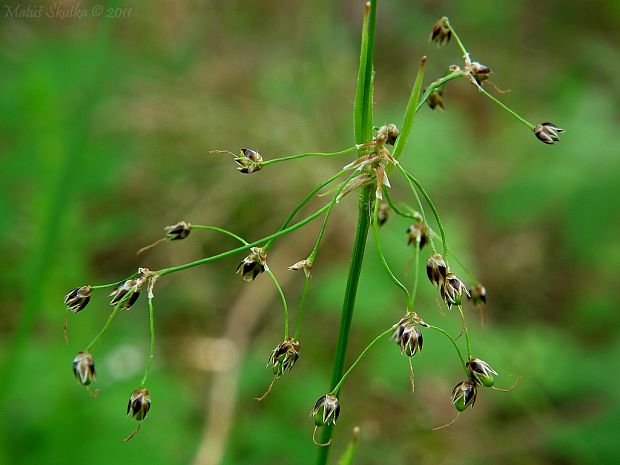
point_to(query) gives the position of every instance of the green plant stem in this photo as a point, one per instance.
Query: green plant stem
(228, 253)
(302, 301)
(336, 388)
(416, 273)
(410, 112)
(456, 347)
(284, 304)
(458, 40)
(152, 343)
(268, 271)
(304, 155)
(104, 286)
(521, 120)
(104, 329)
(395, 280)
(436, 84)
(396, 208)
(363, 133)
(301, 205)
(433, 208)
(465, 330)
(220, 230)
(457, 259)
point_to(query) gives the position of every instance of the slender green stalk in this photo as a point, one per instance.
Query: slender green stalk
(395, 280)
(302, 301)
(332, 204)
(416, 273)
(432, 205)
(103, 330)
(410, 112)
(396, 208)
(457, 259)
(104, 286)
(301, 204)
(521, 120)
(363, 133)
(436, 84)
(152, 343)
(467, 339)
(337, 387)
(456, 347)
(228, 253)
(458, 39)
(284, 304)
(268, 271)
(422, 212)
(304, 155)
(220, 230)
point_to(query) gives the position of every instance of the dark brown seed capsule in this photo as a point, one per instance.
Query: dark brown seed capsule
(548, 133)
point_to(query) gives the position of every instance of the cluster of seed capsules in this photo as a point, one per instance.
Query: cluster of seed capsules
(124, 296)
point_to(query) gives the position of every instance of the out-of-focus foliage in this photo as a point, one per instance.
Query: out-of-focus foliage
(105, 132)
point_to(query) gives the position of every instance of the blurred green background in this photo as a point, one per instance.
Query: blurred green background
(105, 131)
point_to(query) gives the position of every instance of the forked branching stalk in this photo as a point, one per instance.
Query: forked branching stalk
(369, 179)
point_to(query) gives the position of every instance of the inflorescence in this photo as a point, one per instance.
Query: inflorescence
(376, 159)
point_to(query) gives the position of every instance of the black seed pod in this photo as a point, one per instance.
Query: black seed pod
(464, 395)
(548, 133)
(139, 404)
(326, 410)
(441, 32)
(452, 290)
(436, 269)
(408, 336)
(284, 357)
(478, 295)
(177, 231)
(418, 234)
(84, 368)
(252, 265)
(78, 299)
(480, 372)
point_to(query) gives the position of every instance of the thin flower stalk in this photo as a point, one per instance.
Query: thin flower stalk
(151, 343)
(304, 155)
(386, 266)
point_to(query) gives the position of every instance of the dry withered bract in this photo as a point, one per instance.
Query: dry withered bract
(84, 368)
(78, 299)
(479, 72)
(249, 161)
(478, 295)
(548, 133)
(417, 234)
(480, 372)
(284, 357)
(408, 336)
(139, 404)
(252, 265)
(176, 232)
(302, 265)
(441, 32)
(326, 410)
(436, 269)
(464, 395)
(452, 290)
